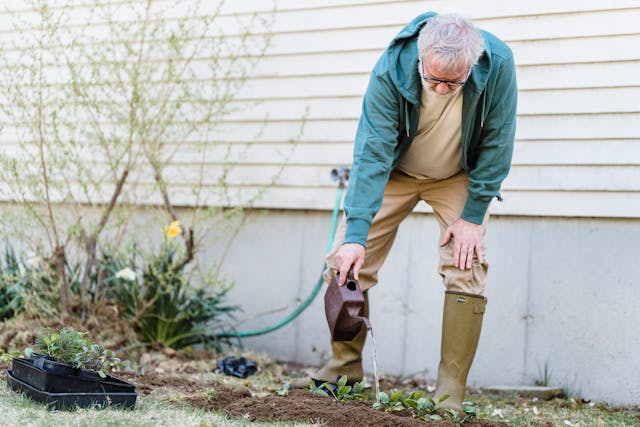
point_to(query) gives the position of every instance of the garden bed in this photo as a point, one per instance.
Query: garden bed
(186, 391)
(241, 401)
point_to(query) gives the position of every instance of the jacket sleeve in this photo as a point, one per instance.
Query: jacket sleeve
(375, 142)
(496, 145)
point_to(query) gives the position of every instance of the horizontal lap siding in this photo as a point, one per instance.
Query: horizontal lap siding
(578, 137)
(577, 150)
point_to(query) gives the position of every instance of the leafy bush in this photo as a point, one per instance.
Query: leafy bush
(163, 305)
(26, 286)
(10, 300)
(156, 292)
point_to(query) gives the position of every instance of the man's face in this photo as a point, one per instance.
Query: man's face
(440, 79)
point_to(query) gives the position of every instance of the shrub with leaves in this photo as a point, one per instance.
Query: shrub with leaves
(163, 304)
(27, 284)
(103, 121)
(10, 298)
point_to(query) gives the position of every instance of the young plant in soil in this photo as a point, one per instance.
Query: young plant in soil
(340, 391)
(425, 408)
(430, 409)
(283, 391)
(398, 400)
(75, 348)
(469, 413)
(211, 393)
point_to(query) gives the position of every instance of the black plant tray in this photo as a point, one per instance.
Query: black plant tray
(83, 381)
(72, 400)
(50, 364)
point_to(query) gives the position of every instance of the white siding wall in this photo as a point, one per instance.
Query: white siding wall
(577, 150)
(577, 143)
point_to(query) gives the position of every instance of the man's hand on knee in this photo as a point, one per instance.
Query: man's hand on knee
(467, 240)
(349, 255)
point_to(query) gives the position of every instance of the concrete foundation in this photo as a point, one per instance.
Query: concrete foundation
(562, 311)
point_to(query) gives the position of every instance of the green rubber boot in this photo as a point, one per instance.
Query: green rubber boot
(461, 326)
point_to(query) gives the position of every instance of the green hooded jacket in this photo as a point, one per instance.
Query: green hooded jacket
(390, 118)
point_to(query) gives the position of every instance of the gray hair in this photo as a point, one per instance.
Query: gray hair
(452, 39)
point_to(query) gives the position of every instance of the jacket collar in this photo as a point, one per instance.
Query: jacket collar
(480, 72)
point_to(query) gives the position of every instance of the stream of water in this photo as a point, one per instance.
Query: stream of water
(375, 365)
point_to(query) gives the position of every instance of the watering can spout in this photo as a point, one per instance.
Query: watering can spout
(366, 322)
(344, 308)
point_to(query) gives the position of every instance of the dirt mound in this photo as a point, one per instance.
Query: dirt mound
(304, 406)
(298, 405)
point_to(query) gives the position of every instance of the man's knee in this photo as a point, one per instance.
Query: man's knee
(471, 281)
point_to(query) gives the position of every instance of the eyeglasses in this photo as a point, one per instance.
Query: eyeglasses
(452, 85)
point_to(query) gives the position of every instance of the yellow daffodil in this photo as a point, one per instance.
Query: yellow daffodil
(174, 229)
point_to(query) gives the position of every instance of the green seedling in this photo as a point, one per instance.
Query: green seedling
(211, 393)
(397, 400)
(469, 413)
(421, 407)
(284, 390)
(429, 408)
(322, 389)
(347, 392)
(342, 392)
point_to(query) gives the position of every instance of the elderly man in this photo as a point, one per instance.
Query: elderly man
(437, 124)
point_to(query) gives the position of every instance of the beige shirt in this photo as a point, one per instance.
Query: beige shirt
(437, 147)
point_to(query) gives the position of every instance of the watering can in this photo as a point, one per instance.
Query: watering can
(344, 308)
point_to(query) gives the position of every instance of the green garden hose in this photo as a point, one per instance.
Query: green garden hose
(341, 175)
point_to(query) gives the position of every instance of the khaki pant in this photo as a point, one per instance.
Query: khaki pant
(447, 198)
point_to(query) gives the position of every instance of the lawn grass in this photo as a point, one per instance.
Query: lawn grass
(162, 410)
(566, 412)
(18, 410)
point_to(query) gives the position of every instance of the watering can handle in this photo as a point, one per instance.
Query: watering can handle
(349, 275)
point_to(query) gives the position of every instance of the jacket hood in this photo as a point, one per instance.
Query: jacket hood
(402, 61)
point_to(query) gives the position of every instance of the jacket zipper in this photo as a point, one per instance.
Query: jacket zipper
(467, 143)
(406, 116)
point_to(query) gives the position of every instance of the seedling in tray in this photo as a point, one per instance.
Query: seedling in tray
(76, 349)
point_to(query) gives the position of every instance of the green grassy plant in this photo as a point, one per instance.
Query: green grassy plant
(28, 285)
(164, 305)
(10, 274)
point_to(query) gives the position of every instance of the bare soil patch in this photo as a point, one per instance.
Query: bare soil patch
(298, 405)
